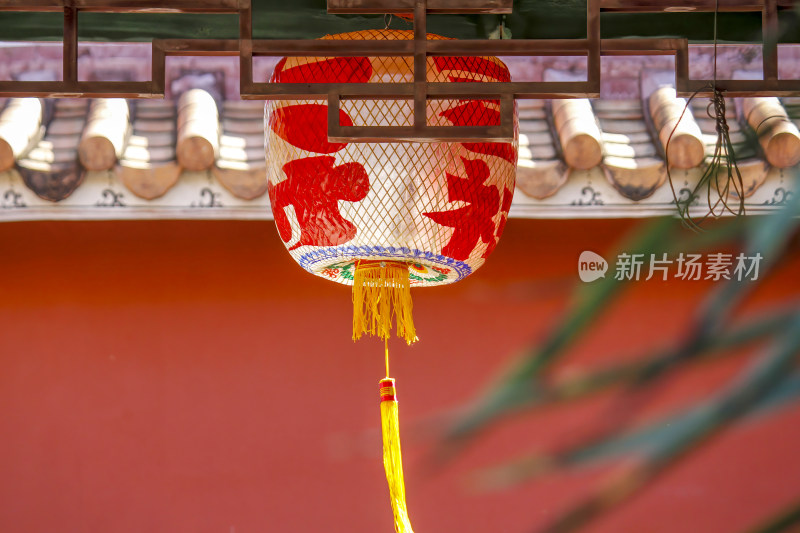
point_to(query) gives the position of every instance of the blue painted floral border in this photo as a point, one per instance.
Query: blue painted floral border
(309, 259)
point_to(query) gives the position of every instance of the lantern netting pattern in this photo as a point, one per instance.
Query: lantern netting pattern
(440, 208)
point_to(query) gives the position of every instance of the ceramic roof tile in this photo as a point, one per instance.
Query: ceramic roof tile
(241, 167)
(148, 167)
(631, 162)
(48, 181)
(49, 166)
(540, 171)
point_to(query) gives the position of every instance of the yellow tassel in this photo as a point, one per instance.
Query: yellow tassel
(381, 291)
(392, 459)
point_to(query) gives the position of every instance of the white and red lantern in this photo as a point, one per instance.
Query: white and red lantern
(439, 207)
(387, 216)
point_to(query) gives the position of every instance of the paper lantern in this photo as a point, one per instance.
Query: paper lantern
(438, 208)
(385, 217)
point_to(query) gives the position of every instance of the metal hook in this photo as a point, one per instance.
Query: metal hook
(387, 19)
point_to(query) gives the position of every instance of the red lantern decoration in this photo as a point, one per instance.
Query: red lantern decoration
(385, 217)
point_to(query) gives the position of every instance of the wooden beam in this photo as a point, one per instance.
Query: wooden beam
(198, 47)
(769, 36)
(246, 85)
(638, 47)
(592, 47)
(81, 89)
(420, 66)
(739, 88)
(434, 134)
(509, 47)
(70, 45)
(123, 6)
(408, 6)
(697, 6)
(158, 64)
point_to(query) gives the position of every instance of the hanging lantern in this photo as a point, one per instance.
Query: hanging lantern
(385, 217)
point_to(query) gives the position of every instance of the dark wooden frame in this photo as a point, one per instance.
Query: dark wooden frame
(69, 86)
(770, 85)
(420, 90)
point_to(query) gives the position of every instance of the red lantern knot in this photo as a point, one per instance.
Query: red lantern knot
(387, 390)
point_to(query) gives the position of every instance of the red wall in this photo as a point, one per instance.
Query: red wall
(189, 377)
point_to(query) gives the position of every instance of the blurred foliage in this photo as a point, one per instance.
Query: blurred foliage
(769, 381)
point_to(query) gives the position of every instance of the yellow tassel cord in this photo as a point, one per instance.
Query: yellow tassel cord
(392, 459)
(381, 291)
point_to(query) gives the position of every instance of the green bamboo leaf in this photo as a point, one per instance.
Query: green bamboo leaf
(757, 384)
(766, 237)
(518, 385)
(737, 335)
(641, 442)
(781, 522)
(521, 386)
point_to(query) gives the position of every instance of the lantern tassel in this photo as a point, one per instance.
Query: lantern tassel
(381, 290)
(392, 459)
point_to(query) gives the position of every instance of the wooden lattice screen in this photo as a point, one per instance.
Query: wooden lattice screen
(420, 90)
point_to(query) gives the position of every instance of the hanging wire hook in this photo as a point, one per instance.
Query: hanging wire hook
(722, 161)
(387, 19)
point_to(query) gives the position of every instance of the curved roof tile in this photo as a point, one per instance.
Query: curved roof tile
(42, 177)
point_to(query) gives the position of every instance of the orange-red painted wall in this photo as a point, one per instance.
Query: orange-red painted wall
(188, 377)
